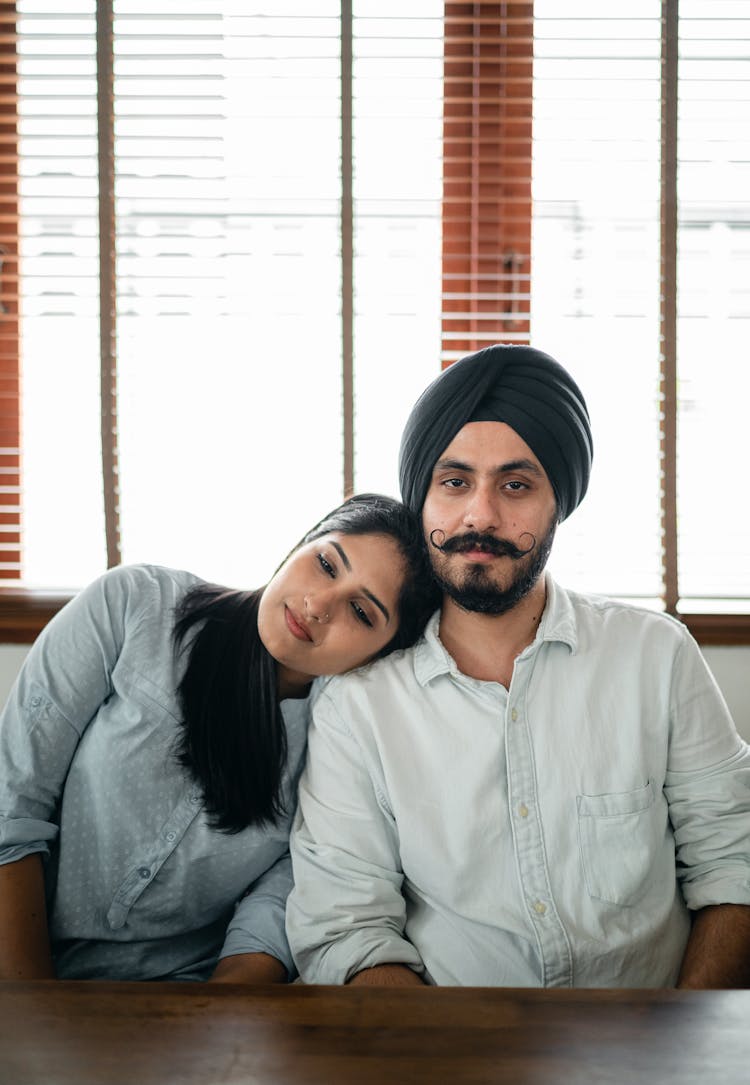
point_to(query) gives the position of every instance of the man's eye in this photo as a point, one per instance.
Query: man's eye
(361, 615)
(516, 485)
(326, 566)
(453, 483)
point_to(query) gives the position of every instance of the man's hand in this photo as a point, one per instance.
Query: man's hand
(718, 949)
(249, 968)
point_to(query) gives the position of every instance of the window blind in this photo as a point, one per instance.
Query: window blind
(637, 159)
(595, 273)
(228, 205)
(10, 438)
(397, 169)
(487, 164)
(63, 527)
(713, 304)
(506, 184)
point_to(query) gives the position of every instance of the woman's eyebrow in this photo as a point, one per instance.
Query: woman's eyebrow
(348, 565)
(378, 604)
(342, 555)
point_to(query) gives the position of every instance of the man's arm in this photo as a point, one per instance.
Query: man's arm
(718, 950)
(346, 914)
(24, 940)
(387, 975)
(707, 786)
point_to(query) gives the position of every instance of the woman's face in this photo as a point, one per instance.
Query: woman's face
(332, 605)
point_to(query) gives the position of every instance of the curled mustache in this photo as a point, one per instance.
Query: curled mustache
(474, 540)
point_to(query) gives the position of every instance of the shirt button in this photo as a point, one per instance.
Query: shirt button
(35, 702)
(171, 836)
(195, 799)
(514, 715)
(144, 872)
(540, 907)
(523, 810)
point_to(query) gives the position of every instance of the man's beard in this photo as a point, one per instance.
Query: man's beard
(476, 592)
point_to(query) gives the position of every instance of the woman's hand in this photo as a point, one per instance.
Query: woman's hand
(24, 938)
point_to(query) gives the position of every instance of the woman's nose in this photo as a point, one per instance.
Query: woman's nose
(318, 608)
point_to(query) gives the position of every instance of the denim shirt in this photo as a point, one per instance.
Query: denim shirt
(139, 885)
(555, 833)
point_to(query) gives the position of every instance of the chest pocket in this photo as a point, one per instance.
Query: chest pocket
(619, 837)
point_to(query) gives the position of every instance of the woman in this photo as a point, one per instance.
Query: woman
(150, 749)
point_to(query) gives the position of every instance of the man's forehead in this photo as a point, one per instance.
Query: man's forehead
(488, 442)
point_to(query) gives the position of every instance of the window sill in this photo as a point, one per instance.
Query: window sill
(718, 629)
(25, 612)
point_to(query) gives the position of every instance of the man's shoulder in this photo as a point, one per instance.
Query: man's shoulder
(374, 679)
(600, 615)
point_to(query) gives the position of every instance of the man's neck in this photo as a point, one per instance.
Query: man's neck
(485, 646)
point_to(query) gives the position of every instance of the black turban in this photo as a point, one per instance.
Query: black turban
(520, 386)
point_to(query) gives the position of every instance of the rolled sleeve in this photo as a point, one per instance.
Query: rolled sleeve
(707, 786)
(64, 680)
(346, 911)
(258, 924)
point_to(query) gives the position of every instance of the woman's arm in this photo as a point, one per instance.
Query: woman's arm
(63, 681)
(255, 946)
(249, 968)
(24, 941)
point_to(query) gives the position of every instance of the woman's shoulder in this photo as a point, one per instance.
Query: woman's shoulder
(146, 584)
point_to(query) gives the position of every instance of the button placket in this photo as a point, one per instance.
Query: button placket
(141, 873)
(552, 942)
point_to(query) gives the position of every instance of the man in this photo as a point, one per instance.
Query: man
(548, 790)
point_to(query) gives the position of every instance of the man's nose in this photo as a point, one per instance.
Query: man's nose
(481, 512)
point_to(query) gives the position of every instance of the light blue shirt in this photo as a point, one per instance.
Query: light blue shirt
(552, 834)
(139, 885)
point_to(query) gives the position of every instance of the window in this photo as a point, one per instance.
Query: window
(289, 185)
(597, 172)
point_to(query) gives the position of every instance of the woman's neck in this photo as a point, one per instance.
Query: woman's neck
(291, 685)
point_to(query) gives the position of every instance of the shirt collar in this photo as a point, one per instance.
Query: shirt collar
(432, 659)
(559, 618)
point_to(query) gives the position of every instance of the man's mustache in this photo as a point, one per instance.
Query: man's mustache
(474, 540)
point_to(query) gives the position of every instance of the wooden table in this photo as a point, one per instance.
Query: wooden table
(198, 1034)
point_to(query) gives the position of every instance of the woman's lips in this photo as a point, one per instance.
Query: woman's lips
(296, 626)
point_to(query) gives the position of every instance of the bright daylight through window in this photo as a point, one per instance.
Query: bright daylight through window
(228, 186)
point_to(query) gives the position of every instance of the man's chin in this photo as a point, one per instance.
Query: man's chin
(478, 591)
(485, 598)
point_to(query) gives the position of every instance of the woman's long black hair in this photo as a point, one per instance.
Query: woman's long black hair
(233, 739)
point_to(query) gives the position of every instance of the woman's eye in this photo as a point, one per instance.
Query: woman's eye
(361, 615)
(326, 566)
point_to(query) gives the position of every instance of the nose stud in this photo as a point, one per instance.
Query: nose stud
(322, 618)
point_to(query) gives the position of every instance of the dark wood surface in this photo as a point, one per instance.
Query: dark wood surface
(198, 1034)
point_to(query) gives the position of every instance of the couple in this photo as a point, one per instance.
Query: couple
(540, 790)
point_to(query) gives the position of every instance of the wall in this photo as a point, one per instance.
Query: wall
(731, 666)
